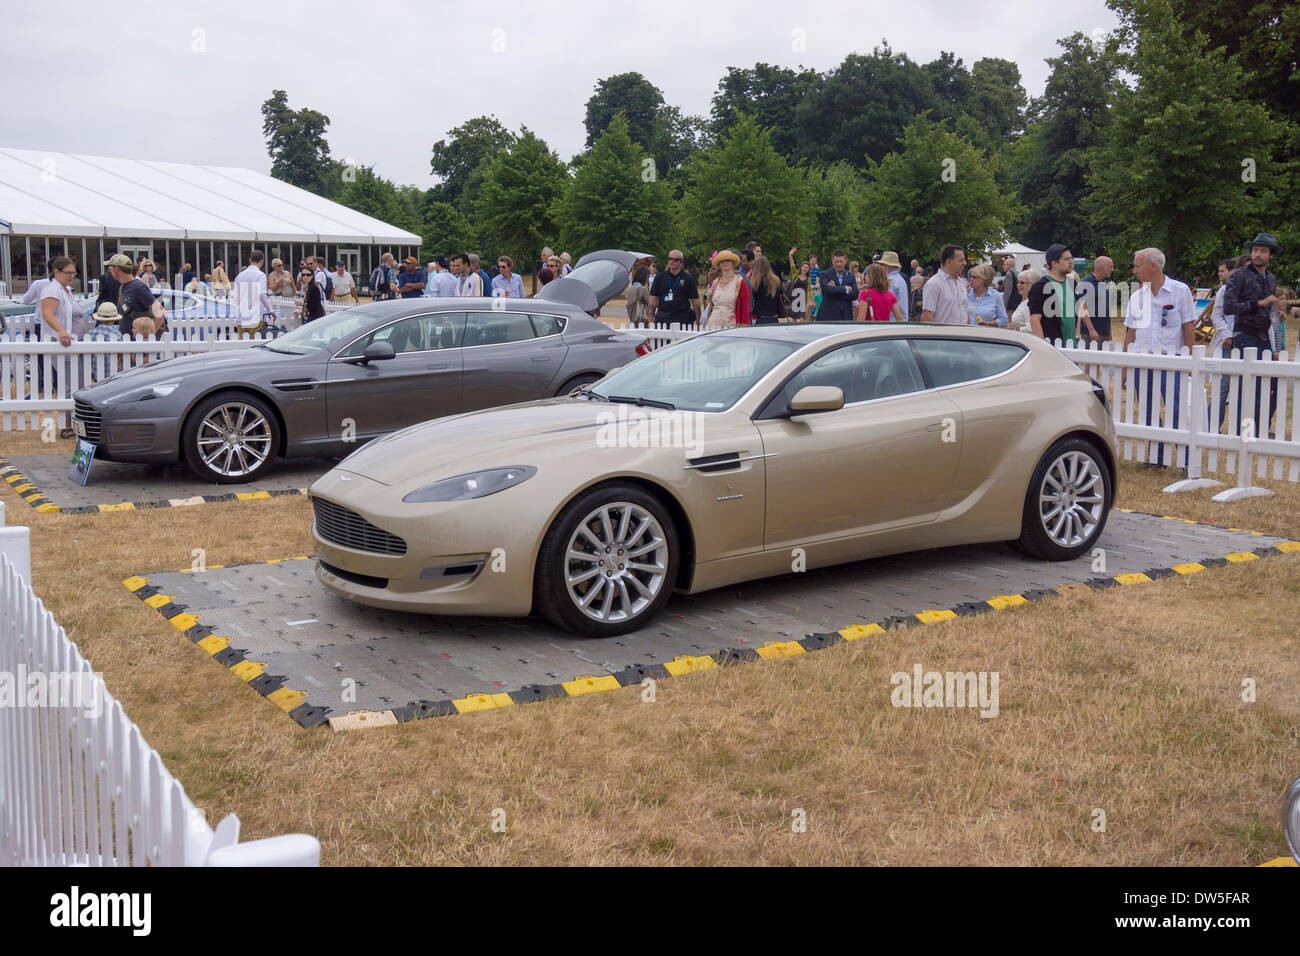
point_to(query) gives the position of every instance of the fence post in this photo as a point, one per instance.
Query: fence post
(1197, 412)
(1251, 397)
(16, 545)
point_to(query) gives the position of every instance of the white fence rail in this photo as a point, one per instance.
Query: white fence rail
(79, 785)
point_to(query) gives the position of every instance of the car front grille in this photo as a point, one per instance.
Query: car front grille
(89, 416)
(349, 530)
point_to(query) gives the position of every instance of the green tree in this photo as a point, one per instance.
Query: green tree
(938, 189)
(768, 93)
(742, 189)
(1053, 158)
(520, 188)
(614, 201)
(954, 88)
(862, 106)
(998, 99)
(460, 158)
(631, 94)
(839, 214)
(295, 141)
(369, 193)
(1171, 173)
(445, 232)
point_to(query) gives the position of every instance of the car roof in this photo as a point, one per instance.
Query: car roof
(805, 333)
(401, 308)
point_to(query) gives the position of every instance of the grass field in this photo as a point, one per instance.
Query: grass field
(1128, 701)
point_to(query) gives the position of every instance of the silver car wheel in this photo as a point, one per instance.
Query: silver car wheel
(234, 439)
(1071, 499)
(616, 562)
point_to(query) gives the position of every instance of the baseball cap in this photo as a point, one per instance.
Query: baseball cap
(411, 260)
(120, 260)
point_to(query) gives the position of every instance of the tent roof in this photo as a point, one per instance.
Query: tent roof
(1015, 249)
(64, 194)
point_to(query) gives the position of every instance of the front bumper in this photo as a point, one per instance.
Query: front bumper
(461, 558)
(123, 436)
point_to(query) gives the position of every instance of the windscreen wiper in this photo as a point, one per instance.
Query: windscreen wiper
(646, 402)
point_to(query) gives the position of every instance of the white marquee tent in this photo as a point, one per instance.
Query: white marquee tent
(90, 207)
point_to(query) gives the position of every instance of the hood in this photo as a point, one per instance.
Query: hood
(232, 365)
(453, 445)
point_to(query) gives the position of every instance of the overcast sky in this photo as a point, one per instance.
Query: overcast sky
(184, 82)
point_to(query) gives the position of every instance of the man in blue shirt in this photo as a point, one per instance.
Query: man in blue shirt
(507, 284)
(410, 281)
(897, 284)
(1098, 292)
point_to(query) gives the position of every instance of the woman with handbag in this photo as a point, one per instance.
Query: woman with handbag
(876, 302)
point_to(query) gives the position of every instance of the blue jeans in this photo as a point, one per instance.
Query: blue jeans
(1172, 403)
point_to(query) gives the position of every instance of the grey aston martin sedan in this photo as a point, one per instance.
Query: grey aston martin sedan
(329, 387)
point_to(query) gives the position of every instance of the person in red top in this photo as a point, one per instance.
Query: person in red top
(876, 303)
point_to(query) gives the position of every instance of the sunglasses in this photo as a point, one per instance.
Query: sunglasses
(674, 258)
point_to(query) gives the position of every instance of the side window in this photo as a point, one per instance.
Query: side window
(953, 361)
(420, 333)
(546, 325)
(494, 328)
(864, 371)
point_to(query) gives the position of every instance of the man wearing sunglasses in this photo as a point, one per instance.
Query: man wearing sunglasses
(674, 294)
(1161, 318)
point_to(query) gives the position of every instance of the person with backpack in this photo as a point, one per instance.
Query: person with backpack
(383, 278)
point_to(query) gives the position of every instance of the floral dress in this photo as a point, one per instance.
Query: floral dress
(722, 302)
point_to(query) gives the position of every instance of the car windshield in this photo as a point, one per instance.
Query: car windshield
(327, 331)
(705, 374)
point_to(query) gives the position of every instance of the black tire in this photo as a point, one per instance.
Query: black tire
(576, 382)
(1074, 474)
(232, 464)
(628, 606)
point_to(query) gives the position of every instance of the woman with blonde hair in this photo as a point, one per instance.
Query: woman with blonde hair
(766, 288)
(985, 306)
(220, 281)
(1024, 282)
(876, 301)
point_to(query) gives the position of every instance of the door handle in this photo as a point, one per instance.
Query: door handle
(934, 427)
(443, 365)
(540, 358)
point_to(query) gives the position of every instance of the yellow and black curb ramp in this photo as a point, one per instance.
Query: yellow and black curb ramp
(33, 496)
(293, 702)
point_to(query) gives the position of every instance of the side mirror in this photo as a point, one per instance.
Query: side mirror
(375, 352)
(817, 398)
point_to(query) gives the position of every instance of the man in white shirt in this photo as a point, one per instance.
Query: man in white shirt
(250, 292)
(1161, 318)
(469, 283)
(345, 286)
(1224, 326)
(943, 297)
(321, 276)
(565, 268)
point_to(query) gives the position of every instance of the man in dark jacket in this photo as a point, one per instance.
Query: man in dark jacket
(839, 291)
(1251, 298)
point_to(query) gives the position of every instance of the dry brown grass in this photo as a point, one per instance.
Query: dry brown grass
(1126, 700)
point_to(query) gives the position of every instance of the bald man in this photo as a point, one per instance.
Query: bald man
(1098, 292)
(674, 295)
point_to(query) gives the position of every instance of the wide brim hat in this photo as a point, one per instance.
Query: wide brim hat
(890, 260)
(726, 255)
(1264, 239)
(107, 312)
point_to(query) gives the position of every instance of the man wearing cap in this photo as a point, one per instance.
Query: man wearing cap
(897, 284)
(411, 280)
(1251, 298)
(134, 300)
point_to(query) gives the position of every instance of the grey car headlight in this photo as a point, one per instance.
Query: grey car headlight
(479, 484)
(161, 390)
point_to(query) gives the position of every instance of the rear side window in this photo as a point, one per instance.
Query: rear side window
(495, 328)
(546, 325)
(953, 361)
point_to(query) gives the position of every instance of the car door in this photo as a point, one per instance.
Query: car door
(887, 459)
(996, 410)
(422, 381)
(504, 360)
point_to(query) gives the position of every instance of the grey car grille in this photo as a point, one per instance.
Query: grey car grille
(89, 416)
(349, 530)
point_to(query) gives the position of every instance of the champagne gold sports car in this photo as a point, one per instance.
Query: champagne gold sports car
(726, 457)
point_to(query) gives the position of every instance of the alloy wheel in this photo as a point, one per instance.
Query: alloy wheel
(1071, 500)
(616, 562)
(234, 439)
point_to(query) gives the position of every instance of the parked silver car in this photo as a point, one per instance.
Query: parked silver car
(330, 386)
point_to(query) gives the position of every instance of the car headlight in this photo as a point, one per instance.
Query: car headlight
(147, 392)
(479, 484)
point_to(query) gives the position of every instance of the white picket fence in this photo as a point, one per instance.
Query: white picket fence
(79, 785)
(1199, 431)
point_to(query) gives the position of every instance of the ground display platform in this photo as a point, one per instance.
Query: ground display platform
(321, 658)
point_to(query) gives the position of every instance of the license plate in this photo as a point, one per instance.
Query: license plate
(79, 427)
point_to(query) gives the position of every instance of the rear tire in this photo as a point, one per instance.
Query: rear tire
(1067, 502)
(608, 563)
(576, 382)
(230, 438)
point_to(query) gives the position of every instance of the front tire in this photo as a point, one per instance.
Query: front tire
(1067, 502)
(230, 438)
(608, 563)
(575, 383)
